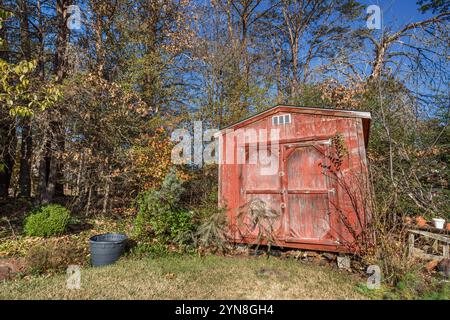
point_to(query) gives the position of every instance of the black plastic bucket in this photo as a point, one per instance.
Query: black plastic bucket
(106, 248)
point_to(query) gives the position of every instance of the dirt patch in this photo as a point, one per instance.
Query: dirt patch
(270, 272)
(9, 267)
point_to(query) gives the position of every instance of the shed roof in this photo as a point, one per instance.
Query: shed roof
(365, 116)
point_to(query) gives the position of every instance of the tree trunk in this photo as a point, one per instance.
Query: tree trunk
(79, 175)
(61, 39)
(41, 48)
(293, 31)
(88, 205)
(8, 140)
(8, 148)
(51, 168)
(44, 172)
(26, 150)
(27, 140)
(378, 63)
(278, 54)
(59, 173)
(294, 80)
(99, 51)
(106, 196)
(60, 67)
(244, 51)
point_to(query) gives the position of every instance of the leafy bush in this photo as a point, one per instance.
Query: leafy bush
(47, 221)
(161, 213)
(180, 225)
(152, 250)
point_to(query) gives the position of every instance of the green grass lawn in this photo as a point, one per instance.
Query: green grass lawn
(189, 277)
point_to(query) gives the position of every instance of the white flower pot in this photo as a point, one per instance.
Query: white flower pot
(439, 223)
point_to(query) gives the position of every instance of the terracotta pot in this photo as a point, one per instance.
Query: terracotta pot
(448, 226)
(420, 221)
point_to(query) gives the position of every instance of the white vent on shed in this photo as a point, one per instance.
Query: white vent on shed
(281, 119)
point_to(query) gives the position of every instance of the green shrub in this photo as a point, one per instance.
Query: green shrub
(160, 212)
(211, 223)
(48, 220)
(181, 224)
(150, 205)
(152, 250)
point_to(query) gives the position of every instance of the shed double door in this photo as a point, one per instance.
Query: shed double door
(299, 191)
(306, 192)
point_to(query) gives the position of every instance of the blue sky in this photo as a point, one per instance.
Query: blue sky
(398, 12)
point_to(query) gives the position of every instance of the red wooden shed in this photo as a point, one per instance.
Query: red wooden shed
(308, 166)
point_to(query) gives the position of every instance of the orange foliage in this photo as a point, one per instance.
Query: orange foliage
(346, 96)
(151, 159)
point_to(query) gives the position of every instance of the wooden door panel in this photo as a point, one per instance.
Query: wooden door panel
(255, 184)
(308, 216)
(304, 169)
(253, 180)
(307, 193)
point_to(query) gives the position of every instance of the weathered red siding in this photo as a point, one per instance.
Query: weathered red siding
(308, 200)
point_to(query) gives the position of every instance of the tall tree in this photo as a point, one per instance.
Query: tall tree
(51, 167)
(26, 148)
(7, 124)
(314, 30)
